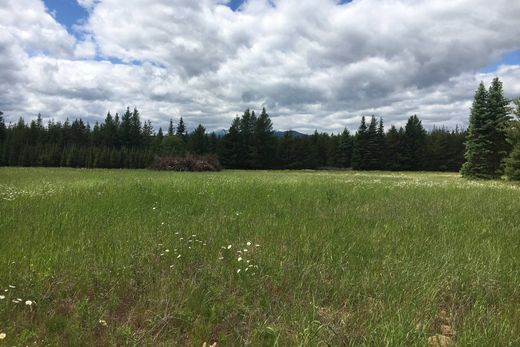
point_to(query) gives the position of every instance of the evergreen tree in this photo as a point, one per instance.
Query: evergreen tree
(126, 129)
(380, 144)
(394, 148)
(230, 146)
(513, 161)
(499, 110)
(414, 145)
(181, 130)
(373, 146)
(480, 147)
(345, 149)
(170, 128)
(198, 141)
(360, 148)
(265, 141)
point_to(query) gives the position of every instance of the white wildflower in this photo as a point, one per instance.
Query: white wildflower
(245, 249)
(28, 303)
(229, 247)
(103, 323)
(257, 245)
(166, 250)
(2, 336)
(239, 259)
(248, 243)
(2, 297)
(238, 271)
(153, 208)
(220, 258)
(178, 256)
(12, 287)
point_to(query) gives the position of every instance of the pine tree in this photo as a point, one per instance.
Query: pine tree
(414, 145)
(513, 161)
(373, 146)
(360, 148)
(499, 112)
(345, 149)
(230, 146)
(381, 148)
(170, 128)
(198, 141)
(265, 141)
(394, 146)
(480, 147)
(181, 131)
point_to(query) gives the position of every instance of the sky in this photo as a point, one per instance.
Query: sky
(314, 64)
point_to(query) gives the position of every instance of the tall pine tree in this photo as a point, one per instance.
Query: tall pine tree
(480, 147)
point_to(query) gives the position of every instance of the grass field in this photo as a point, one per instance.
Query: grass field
(110, 257)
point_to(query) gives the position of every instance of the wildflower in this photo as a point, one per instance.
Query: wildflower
(239, 259)
(171, 266)
(245, 249)
(161, 254)
(204, 244)
(162, 223)
(153, 208)
(28, 303)
(248, 243)
(257, 245)
(229, 247)
(2, 336)
(248, 261)
(220, 258)
(166, 250)
(178, 256)
(176, 233)
(103, 322)
(12, 287)
(238, 271)
(2, 297)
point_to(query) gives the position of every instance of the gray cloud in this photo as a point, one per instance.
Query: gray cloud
(312, 64)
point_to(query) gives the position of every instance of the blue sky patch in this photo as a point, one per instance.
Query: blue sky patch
(511, 58)
(66, 12)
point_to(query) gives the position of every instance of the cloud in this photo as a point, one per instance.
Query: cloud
(312, 64)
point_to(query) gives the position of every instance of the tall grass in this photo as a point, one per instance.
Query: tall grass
(112, 257)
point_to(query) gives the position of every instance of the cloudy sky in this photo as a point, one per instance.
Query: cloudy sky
(314, 64)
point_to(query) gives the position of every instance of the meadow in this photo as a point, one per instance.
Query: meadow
(256, 258)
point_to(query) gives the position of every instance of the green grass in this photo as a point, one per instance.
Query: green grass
(344, 258)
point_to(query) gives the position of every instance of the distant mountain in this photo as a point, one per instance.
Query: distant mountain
(278, 134)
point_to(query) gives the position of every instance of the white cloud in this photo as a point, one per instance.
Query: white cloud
(313, 64)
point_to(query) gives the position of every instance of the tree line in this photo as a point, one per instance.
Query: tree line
(250, 143)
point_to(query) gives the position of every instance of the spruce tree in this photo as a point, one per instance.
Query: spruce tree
(499, 111)
(513, 161)
(345, 149)
(181, 131)
(359, 151)
(265, 141)
(170, 128)
(414, 144)
(480, 147)
(373, 146)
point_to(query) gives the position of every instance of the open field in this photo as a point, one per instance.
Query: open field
(336, 258)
